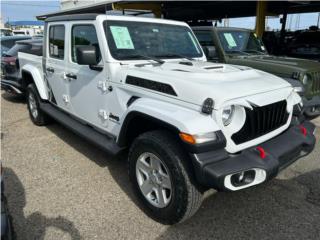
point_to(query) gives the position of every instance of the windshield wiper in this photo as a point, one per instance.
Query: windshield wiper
(255, 51)
(139, 56)
(237, 51)
(175, 56)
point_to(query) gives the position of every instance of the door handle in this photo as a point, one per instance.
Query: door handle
(71, 75)
(49, 69)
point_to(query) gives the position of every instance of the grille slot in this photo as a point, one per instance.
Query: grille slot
(262, 120)
(315, 82)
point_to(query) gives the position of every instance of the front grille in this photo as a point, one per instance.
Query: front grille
(262, 120)
(315, 82)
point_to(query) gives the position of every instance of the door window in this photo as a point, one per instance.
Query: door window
(56, 41)
(84, 35)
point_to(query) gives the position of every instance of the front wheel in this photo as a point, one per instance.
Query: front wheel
(162, 179)
(37, 116)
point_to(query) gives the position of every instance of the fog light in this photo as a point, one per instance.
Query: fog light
(243, 178)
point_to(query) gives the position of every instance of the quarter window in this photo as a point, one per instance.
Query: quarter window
(56, 41)
(84, 35)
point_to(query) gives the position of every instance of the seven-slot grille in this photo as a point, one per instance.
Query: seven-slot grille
(262, 120)
(315, 82)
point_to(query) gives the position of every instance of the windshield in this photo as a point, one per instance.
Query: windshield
(140, 40)
(241, 42)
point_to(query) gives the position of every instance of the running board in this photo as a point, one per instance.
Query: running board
(103, 141)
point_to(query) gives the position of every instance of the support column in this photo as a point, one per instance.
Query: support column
(261, 17)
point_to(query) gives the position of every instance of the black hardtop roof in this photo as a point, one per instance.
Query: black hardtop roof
(73, 17)
(220, 28)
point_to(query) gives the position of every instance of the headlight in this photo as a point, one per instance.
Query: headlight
(298, 89)
(227, 114)
(305, 80)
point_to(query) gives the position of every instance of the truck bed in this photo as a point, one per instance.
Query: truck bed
(30, 59)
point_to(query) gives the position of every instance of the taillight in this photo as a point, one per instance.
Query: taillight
(10, 60)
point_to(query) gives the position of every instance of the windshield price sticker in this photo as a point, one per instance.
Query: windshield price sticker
(121, 37)
(230, 39)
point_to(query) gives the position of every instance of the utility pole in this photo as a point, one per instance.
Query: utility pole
(318, 19)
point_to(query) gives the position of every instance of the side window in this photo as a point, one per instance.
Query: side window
(84, 35)
(56, 41)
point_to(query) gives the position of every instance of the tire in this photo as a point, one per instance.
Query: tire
(38, 117)
(184, 198)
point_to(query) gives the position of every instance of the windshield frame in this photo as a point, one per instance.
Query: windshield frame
(115, 57)
(242, 52)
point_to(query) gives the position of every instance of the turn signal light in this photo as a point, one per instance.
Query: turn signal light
(187, 138)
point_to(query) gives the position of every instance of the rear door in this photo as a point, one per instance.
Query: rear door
(56, 64)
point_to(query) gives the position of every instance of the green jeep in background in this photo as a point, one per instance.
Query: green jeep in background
(242, 47)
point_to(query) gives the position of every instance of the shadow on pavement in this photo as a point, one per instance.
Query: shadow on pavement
(279, 209)
(116, 165)
(35, 225)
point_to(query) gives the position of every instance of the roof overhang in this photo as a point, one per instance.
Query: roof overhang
(196, 10)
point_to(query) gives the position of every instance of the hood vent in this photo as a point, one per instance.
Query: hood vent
(213, 67)
(180, 70)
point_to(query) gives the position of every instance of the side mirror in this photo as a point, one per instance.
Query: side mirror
(210, 52)
(86, 55)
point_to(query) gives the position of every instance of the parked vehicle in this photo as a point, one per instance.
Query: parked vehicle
(10, 69)
(5, 32)
(19, 32)
(306, 45)
(144, 85)
(6, 224)
(7, 42)
(243, 47)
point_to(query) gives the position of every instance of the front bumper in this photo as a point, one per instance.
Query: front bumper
(11, 86)
(311, 106)
(215, 169)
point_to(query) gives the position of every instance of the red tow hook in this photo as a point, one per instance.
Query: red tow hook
(262, 152)
(303, 130)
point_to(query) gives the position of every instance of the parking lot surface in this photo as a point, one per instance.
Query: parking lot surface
(61, 187)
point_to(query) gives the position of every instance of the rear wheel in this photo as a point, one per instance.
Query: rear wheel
(37, 116)
(162, 179)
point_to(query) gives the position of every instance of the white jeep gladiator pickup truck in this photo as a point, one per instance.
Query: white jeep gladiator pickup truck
(144, 85)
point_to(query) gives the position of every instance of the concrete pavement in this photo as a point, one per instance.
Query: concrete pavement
(61, 187)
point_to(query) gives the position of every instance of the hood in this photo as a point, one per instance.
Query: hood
(201, 80)
(282, 66)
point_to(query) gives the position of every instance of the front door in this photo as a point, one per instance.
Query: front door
(87, 87)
